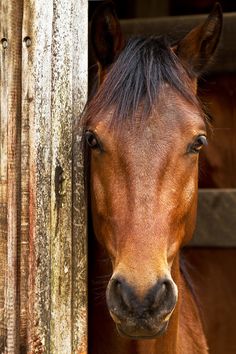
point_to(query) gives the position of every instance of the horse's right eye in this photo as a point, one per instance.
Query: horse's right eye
(91, 140)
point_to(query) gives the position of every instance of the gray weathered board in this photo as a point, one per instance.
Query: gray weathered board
(177, 26)
(216, 220)
(43, 279)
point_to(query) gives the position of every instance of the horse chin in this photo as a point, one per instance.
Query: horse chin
(135, 332)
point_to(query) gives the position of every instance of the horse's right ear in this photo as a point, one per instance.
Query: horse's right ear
(106, 35)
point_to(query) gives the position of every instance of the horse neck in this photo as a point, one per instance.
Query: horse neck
(191, 337)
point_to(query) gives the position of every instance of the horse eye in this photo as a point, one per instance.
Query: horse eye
(91, 140)
(199, 142)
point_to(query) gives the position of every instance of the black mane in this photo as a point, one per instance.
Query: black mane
(136, 78)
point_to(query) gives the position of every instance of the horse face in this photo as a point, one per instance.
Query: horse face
(143, 177)
(143, 190)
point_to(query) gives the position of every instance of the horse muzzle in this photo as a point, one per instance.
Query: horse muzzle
(141, 318)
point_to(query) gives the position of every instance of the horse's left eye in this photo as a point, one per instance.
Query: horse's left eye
(199, 142)
(91, 140)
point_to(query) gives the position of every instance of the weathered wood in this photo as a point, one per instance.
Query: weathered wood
(216, 222)
(61, 179)
(79, 231)
(14, 17)
(56, 34)
(25, 184)
(177, 26)
(43, 286)
(36, 112)
(3, 173)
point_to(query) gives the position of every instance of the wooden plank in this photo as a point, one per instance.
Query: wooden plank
(43, 285)
(178, 26)
(79, 230)
(14, 15)
(36, 109)
(3, 172)
(61, 226)
(216, 222)
(69, 84)
(54, 93)
(26, 106)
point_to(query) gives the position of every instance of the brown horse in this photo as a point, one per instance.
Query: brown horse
(144, 130)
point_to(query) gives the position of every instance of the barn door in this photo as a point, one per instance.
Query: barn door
(43, 68)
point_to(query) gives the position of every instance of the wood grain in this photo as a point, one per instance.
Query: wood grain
(43, 291)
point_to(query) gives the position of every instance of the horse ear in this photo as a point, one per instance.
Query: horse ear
(106, 35)
(197, 48)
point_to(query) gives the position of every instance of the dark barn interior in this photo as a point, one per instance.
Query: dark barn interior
(127, 9)
(211, 258)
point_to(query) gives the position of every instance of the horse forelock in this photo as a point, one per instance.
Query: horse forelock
(133, 83)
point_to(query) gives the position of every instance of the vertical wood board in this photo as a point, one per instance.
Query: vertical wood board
(43, 286)
(14, 20)
(79, 232)
(3, 172)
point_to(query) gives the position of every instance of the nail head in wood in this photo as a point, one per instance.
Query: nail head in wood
(4, 43)
(27, 41)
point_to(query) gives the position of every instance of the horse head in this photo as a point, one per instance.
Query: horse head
(145, 128)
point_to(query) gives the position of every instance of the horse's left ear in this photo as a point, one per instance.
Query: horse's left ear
(196, 49)
(106, 34)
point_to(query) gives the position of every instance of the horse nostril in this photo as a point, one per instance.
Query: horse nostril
(161, 293)
(119, 295)
(123, 293)
(164, 294)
